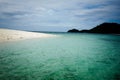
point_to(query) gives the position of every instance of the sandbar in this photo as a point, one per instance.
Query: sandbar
(13, 35)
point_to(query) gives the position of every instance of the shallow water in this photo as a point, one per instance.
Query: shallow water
(70, 56)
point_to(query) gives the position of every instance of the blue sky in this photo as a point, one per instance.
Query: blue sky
(57, 15)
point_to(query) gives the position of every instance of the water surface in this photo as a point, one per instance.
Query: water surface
(70, 56)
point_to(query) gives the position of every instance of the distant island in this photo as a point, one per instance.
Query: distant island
(104, 28)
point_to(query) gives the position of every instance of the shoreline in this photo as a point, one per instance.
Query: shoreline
(7, 35)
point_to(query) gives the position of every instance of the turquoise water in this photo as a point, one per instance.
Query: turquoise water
(69, 56)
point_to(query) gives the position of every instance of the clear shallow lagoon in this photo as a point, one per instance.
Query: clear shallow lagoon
(70, 56)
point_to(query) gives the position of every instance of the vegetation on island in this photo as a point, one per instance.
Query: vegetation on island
(104, 28)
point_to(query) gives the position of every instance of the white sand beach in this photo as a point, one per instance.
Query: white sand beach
(13, 35)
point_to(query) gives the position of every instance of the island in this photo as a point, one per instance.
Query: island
(74, 30)
(104, 28)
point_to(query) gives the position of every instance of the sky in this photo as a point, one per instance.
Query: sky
(57, 15)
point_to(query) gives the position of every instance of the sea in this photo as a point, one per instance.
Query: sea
(68, 56)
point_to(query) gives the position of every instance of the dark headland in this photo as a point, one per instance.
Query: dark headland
(104, 28)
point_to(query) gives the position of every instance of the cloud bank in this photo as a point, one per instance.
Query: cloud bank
(54, 15)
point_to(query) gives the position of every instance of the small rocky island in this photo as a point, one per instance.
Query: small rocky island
(104, 28)
(74, 30)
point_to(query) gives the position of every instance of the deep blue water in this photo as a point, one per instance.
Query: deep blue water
(69, 56)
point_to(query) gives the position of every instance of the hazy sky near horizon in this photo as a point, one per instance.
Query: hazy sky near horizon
(57, 15)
